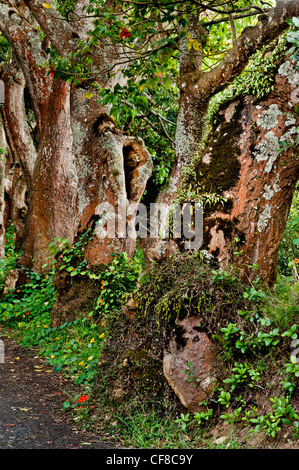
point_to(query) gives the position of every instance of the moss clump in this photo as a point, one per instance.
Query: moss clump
(136, 339)
(130, 368)
(199, 290)
(223, 169)
(249, 362)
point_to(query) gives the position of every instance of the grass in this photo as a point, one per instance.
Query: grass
(73, 346)
(282, 305)
(146, 429)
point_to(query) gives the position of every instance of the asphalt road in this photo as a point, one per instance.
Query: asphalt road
(31, 397)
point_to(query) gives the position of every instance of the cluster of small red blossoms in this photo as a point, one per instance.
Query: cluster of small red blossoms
(83, 398)
(124, 34)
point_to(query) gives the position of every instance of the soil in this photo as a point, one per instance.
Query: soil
(31, 398)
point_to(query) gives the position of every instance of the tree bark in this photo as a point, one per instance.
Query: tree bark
(2, 186)
(197, 88)
(80, 159)
(242, 164)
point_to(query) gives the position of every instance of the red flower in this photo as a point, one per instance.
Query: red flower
(52, 72)
(124, 34)
(83, 398)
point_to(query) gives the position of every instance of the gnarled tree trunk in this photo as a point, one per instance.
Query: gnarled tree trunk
(257, 181)
(243, 166)
(77, 159)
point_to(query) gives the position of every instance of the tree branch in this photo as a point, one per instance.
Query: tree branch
(15, 121)
(26, 44)
(270, 26)
(54, 26)
(151, 124)
(63, 37)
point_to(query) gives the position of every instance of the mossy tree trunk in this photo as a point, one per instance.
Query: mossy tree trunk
(244, 177)
(243, 165)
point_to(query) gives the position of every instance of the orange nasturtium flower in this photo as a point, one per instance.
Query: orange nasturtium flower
(296, 260)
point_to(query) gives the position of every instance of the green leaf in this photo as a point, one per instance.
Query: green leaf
(286, 421)
(143, 86)
(293, 359)
(295, 21)
(167, 82)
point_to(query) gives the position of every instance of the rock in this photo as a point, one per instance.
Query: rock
(221, 440)
(11, 280)
(190, 345)
(130, 308)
